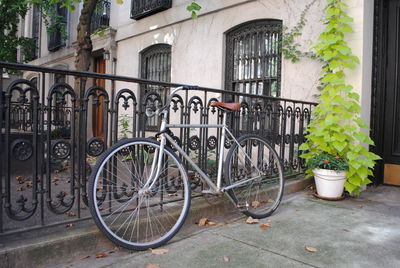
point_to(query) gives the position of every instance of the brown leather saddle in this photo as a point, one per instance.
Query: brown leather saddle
(231, 106)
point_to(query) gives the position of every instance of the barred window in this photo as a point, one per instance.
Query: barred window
(155, 64)
(144, 8)
(55, 39)
(36, 31)
(253, 58)
(101, 15)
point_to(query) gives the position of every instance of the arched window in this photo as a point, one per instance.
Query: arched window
(253, 58)
(155, 64)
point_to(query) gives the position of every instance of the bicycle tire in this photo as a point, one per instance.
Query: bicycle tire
(117, 195)
(255, 158)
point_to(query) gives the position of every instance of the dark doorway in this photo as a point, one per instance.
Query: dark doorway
(386, 90)
(97, 115)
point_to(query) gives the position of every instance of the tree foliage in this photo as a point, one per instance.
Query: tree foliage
(337, 128)
(11, 11)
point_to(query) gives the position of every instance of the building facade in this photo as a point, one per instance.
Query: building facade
(233, 45)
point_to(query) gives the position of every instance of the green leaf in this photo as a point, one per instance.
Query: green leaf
(354, 96)
(342, 49)
(361, 123)
(304, 147)
(349, 187)
(120, 2)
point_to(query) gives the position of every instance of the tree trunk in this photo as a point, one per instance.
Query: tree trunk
(84, 48)
(82, 63)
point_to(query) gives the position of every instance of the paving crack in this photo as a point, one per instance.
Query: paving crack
(264, 249)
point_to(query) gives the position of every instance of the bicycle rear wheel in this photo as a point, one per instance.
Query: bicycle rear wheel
(125, 209)
(256, 170)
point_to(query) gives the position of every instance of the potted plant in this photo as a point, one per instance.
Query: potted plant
(329, 174)
(336, 128)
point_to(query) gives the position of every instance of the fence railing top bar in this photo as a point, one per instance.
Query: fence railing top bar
(40, 69)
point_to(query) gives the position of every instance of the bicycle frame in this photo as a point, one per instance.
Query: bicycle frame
(164, 137)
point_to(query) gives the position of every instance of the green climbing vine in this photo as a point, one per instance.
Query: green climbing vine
(193, 8)
(290, 48)
(337, 128)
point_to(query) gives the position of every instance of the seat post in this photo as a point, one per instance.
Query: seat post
(221, 151)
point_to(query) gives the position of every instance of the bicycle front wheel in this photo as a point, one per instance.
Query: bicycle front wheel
(254, 172)
(132, 206)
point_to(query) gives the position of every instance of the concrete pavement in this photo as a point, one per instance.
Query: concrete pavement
(355, 232)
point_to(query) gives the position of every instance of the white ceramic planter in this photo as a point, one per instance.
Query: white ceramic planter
(329, 183)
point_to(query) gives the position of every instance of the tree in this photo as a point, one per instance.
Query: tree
(11, 11)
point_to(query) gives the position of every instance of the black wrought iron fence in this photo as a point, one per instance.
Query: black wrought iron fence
(51, 136)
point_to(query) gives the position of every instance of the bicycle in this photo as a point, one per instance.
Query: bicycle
(140, 193)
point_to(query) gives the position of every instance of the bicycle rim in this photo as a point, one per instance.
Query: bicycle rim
(256, 164)
(131, 214)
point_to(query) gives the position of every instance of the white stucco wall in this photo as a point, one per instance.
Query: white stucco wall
(198, 45)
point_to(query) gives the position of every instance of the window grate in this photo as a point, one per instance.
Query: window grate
(35, 32)
(143, 8)
(56, 40)
(156, 66)
(101, 16)
(253, 58)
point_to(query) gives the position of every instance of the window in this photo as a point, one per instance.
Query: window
(155, 64)
(253, 58)
(35, 32)
(143, 8)
(55, 38)
(101, 16)
(59, 116)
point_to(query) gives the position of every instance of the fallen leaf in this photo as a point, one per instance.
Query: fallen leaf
(101, 255)
(250, 220)
(71, 214)
(160, 251)
(20, 188)
(55, 179)
(83, 207)
(20, 179)
(310, 249)
(255, 204)
(226, 259)
(265, 226)
(29, 184)
(345, 230)
(150, 265)
(360, 206)
(69, 225)
(211, 223)
(271, 201)
(85, 257)
(203, 222)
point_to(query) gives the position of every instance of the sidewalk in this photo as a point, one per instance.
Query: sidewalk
(355, 232)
